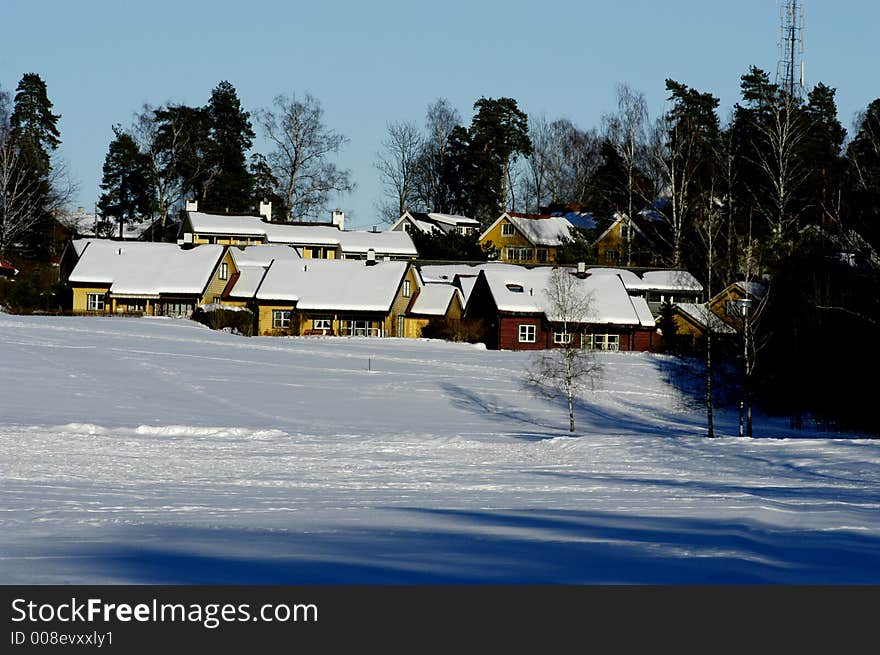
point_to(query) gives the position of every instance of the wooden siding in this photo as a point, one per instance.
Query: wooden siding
(516, 240)
(264, 320)
(217, 285)
(400, 303)
(718, 305)
(80, 299)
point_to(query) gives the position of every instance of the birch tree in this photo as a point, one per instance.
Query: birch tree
(568, 369)
(397, 164)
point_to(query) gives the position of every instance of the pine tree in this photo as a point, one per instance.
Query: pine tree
(127, 196)
(34, 136)
(231, 136)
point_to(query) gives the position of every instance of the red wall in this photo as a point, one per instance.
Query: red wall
(631, 339)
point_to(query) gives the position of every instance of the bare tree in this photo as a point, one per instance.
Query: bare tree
(626, 131)
(397, 164)
(776, 154)
(441, 118)
(303, 145)
(568, 369)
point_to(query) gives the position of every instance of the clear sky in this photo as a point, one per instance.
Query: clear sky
(376, 61)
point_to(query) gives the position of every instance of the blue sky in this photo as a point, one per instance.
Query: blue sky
(374, 62)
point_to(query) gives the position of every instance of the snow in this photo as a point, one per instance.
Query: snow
(157, 451)
(547, 231)
(143, 268)
(701, 313)
(668, 280)
(434, 299)
(261, 255)
(338, 284)
(609, 301)
(354, 242)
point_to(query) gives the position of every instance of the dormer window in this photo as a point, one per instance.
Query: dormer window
(515, 288)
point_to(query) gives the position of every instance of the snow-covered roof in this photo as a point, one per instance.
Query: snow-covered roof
(261, 255)
(701, 315)
(142, 268)
(434, 299)
(338, 284)
(203, 223)
(539, 230)
(643, 311)
(466, 283)
(356, 242)
(526, 291)
(454, 220)
(247, 282)
(668, 280)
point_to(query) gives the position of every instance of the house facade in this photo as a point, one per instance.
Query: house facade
(526, 238)
(625, 243)
(429, 223)
(152, 279)
(311, 240)
(519, 313)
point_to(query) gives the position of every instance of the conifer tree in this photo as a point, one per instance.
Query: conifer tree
(127, 196)
(231, 136)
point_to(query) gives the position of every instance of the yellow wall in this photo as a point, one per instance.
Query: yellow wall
(400, 304)
(228, 240)
(613, 243)
(80, 299)
(264, 320)
(320, 252)
(132, 305)
(216, 285)
(718, 305)
(517, 239)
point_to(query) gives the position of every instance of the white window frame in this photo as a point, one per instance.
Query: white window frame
(359, 328)
(95, 302)
(527, 333)
(224, 271)
(519, 254)
(542, 254)
(605, 342)
(322, 323)
(281, 319)
(508, 230)
(407, 288)
(562, 338)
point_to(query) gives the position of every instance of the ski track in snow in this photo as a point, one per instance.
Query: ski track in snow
(158, 451)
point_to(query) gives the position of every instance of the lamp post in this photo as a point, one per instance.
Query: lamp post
(744, 305)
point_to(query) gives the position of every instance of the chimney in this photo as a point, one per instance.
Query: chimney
(338, 218)
(266, 210)
(371, 257)
(192, 205)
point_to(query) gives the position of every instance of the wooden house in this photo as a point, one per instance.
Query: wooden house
(526, 238)
(430, 223)
(153, 279)
(515, 305)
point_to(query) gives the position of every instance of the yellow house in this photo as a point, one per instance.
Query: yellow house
(153, 279)
(311, 240)
(624, 243)
(335, 297)
(526, 238)
(433, 301)
(728, 304)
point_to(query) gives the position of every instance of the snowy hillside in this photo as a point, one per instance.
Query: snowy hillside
(158, 451)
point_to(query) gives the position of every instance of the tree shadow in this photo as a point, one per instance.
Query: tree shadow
(451, 546)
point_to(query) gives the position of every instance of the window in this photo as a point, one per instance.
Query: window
(281, 319)
(216, 300)
(515, 288)
(135, 306)
(527, 334)
(519, 254)
(359, 328)
(95, 302)
(561, 337)
(507, 230)
(406, 288)
(322, 323)
(732, 308)
(602, 341)
(542, 255)
(401, 326)
(224, 271)
(611, 257)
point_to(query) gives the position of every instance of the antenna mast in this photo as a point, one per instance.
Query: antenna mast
(790, 67)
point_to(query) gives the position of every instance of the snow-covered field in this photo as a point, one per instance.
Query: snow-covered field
(158, 451)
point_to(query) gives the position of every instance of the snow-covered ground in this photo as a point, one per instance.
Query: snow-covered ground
(159, 451)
